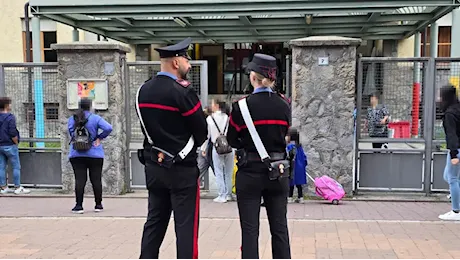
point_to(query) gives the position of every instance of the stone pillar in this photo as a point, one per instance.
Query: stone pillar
(96, 61)
(323, 100)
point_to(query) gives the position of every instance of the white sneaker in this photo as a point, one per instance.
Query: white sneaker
(220, 200)
(301, 201)
(6, 191)
(450, 216)
(21, 190)
(229, 198)
(290, 200)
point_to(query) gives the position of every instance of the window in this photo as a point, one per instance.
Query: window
(444, 41)
(51, 111)
(46, 39)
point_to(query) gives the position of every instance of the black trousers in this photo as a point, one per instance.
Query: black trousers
(172, 190)
(80, 166)
(299, 191)
(252, 183)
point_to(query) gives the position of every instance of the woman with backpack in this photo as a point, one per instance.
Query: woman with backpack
(86, 152)
(222, 152)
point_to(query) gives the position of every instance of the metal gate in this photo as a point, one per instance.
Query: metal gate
(35, 92)
(138, 73)
(415, 157)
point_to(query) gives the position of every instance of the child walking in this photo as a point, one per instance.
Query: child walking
(298, 165)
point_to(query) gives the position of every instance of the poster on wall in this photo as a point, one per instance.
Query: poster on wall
(96, 90)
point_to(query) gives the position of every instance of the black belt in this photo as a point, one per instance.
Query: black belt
(273, 157)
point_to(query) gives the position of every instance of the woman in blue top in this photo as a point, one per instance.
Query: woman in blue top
(91, 159)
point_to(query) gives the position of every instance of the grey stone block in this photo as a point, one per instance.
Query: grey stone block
(323, 101)
(80, 61)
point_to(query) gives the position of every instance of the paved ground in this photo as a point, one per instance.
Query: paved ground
(44, 228)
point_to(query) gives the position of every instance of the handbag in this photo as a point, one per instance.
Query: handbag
(277, 169)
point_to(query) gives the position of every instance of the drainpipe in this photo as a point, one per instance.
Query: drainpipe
(26, 21)
(29, 69)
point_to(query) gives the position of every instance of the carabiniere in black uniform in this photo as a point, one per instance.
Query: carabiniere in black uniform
(174, 125)
(270, 113)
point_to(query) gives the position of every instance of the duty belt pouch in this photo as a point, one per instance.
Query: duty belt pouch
(277, 169)
(140, 156)
(241, 157)
(161, 158)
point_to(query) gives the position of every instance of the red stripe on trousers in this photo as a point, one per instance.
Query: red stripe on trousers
(158, 106)
(195, 223)
(268, 122)
(193, 110)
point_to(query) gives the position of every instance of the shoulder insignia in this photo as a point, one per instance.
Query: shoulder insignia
(183, 83)
(238, 99)
(284, 97)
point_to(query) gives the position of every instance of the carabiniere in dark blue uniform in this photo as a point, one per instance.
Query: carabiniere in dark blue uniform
(255, 178)
(174, 125)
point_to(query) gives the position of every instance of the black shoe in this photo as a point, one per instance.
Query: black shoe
(98, 208)
(78, 210)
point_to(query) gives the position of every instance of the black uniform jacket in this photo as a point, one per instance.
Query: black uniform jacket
(270, 113)
(451, 124)
(172, 113)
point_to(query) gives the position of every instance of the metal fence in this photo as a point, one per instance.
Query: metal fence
(410, 156)
(137, 74)
(35, 94)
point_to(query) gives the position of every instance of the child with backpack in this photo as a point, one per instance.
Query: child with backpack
(86, 152)
(298, 166)
(222, 153)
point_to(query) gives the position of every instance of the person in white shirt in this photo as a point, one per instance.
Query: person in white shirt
(223, 163)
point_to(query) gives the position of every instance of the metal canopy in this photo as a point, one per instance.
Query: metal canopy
(230, 21)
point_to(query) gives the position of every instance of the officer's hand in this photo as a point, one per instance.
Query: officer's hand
(454, 161)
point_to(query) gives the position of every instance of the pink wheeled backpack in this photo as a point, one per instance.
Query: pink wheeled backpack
(328, 188)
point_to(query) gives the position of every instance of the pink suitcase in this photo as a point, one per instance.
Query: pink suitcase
(328, 188)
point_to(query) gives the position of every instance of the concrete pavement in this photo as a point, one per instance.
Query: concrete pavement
(45, 228)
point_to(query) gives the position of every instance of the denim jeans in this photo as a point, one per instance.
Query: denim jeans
(223, 168)
(11, 153)
(452, 176)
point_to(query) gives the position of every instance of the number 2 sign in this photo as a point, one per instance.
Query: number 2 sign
(323, 61)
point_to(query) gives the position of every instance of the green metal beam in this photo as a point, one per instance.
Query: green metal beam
(247, 22)
(67, 21)
(190, 33)
(125, 21)
(372, 18)
(392, 3)
(438, 13)
(189, 13)
(246, 39)
(259, 22)
(233, 6)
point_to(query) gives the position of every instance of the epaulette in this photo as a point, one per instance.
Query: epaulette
(183, 83)
(284, 97)
(240, 98)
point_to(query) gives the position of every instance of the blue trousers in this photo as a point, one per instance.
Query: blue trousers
(452, 176)
(11, 153)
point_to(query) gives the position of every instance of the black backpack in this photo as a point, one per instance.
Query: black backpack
(221, 144)
(81, 140)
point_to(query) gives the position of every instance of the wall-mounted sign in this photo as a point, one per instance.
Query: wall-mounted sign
(323, 61)
(95, 89)
(109, 68)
